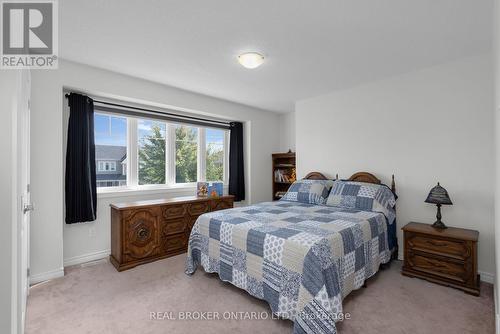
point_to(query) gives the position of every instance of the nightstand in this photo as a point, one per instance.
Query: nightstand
(443, 256)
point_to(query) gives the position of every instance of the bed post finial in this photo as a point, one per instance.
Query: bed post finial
(393, 184)
(337, 176)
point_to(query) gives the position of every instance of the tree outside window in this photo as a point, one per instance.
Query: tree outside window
(151, 152)
(186, 154)
(214, 155)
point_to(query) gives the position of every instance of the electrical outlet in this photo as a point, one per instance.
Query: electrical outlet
(91, 231)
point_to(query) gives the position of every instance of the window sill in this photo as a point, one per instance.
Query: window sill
(181, 190)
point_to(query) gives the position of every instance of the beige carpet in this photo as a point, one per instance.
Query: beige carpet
(98, 299)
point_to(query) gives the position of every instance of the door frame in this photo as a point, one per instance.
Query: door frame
(22, 227)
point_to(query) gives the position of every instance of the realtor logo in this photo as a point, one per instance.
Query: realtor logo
(29, 34)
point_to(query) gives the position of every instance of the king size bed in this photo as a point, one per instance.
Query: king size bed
(305, 253)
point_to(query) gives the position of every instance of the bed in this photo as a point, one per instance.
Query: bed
(302, 258)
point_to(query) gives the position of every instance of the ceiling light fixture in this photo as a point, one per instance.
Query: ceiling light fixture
(251, 59)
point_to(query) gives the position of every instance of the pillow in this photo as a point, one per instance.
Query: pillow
(308, 191)
(364, 197)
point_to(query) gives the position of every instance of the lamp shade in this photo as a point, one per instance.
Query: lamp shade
(438, 195)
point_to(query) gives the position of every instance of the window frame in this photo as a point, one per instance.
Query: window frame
(132, 166)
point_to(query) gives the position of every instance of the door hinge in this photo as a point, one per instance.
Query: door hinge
(28, 187)
(28, 272)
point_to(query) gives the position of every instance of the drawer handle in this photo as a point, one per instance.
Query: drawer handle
(439, 265)
(436, 243)
(143, 233)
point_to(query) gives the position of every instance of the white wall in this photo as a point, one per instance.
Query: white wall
(426, 126)
(496, 57)
(287, 132)
(48, 250)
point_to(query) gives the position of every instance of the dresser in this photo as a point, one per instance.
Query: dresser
(443, 256)
(147, 231)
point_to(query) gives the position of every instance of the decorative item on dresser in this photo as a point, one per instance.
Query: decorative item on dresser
(147, 231)
(284, 173)
(443, 256)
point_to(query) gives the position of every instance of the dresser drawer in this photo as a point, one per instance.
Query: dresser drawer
(174, 211)
(173, 243)
(191, 221)
(451, 248)
(450, 269)
(174, 226)
(141, 234)
(198, 208)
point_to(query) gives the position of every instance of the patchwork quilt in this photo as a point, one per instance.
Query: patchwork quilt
(303, 259)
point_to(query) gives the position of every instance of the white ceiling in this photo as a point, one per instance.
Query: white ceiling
(311, 47)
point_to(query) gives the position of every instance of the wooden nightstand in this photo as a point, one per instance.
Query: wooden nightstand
(447, 257)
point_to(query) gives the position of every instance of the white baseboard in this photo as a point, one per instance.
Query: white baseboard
(34, 279)
(38, 278)
(487, 277)
(86, 258)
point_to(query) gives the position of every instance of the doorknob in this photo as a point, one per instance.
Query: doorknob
(28, 207)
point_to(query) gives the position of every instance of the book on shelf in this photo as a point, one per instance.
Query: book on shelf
(283, 176)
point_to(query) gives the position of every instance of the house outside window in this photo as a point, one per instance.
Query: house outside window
(110, 134)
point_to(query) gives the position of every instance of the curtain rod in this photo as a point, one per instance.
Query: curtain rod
(160, 113)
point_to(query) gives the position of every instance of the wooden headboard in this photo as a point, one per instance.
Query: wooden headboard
(315, 176)
(364, 177)
(358, 177)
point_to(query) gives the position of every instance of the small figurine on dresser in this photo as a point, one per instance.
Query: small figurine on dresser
(202, 189)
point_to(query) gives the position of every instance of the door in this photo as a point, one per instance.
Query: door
(23, 154)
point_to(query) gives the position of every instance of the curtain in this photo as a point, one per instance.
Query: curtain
(236, 172)
(81, 191)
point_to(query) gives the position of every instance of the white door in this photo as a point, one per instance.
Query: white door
(23, 133)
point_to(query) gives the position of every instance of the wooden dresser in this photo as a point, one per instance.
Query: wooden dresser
(147, 231)
(447, 257)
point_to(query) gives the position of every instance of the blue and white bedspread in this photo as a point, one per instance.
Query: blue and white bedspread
(303, 259)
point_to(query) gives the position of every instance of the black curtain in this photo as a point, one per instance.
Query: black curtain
(81, 191)
(236, 172)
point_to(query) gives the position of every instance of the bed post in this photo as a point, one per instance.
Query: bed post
(396, 249)
(336, 176)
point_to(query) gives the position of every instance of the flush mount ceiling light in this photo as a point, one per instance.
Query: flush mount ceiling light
(251, 59)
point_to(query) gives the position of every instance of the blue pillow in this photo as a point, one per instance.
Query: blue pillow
(364, 197)
(309, 191)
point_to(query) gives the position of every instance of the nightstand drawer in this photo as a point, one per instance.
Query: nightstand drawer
(444, 256)
(457, 249)
(450, 269)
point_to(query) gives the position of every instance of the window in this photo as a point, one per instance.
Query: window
(140, 153)
(151, 148)
(214, 155)
(186, 154)
(110, 134)
(106, 166)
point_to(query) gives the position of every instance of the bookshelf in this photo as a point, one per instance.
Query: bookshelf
(284, 173)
